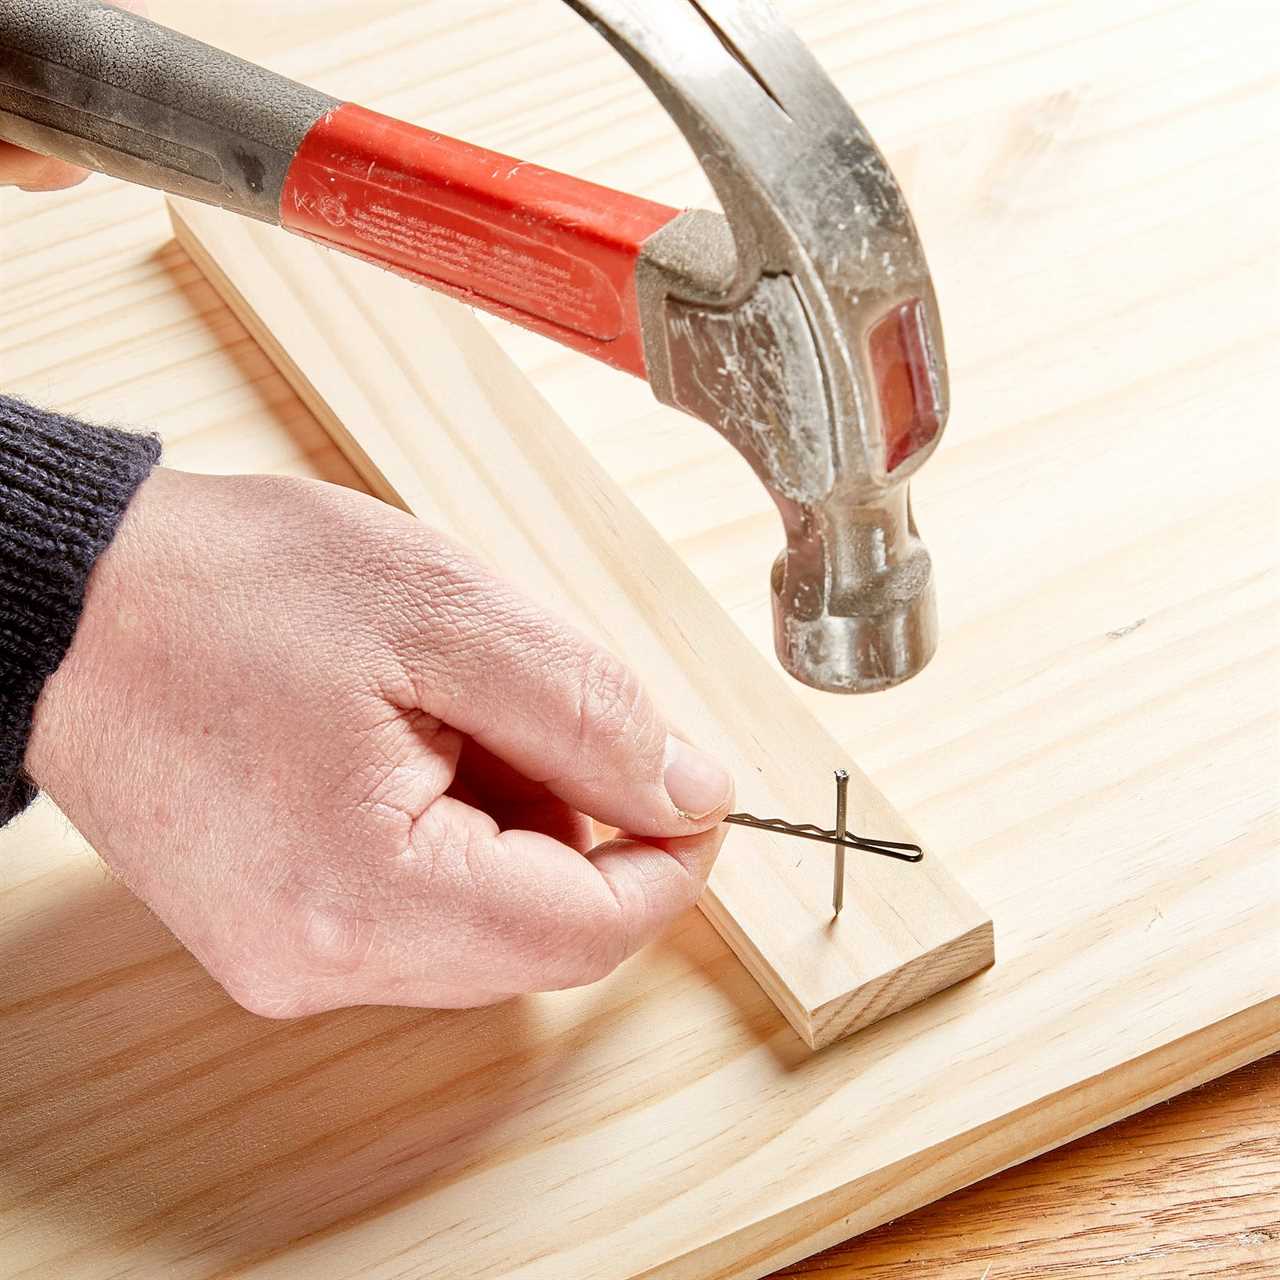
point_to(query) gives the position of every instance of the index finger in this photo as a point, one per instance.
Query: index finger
(34, 172)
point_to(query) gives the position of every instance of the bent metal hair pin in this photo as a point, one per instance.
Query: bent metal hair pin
(839, 836)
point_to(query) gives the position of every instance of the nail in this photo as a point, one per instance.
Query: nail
(696, 783)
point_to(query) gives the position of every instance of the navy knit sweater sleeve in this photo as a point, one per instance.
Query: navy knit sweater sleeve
(64, 487)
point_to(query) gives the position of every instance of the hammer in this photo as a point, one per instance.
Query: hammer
(801, 323)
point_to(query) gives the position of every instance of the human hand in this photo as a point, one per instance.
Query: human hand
(346, 765)
(31, 171)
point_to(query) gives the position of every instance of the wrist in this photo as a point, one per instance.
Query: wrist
(64, 488)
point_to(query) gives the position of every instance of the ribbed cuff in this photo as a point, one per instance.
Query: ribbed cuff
(64, 487)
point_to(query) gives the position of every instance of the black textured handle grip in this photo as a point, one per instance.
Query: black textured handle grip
(92, 84)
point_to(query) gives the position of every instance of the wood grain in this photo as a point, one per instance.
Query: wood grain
(1093, 745)
(1190, 1189)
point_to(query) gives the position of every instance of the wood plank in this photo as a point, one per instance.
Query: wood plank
(1190, 1188)
(1093, 746)
(461, 440)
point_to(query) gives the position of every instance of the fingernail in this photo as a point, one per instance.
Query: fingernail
(696, 783)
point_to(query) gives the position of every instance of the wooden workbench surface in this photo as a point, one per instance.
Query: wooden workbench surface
(1188, 1189)
(1107, 676)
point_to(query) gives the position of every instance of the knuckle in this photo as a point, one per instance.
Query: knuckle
(441, 614)
(297, 958)
(332, 939)
(611, 705)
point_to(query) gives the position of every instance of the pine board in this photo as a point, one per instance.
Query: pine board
(1187, 1189)
(1093, 188)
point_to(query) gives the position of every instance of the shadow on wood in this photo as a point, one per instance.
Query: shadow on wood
(142, 1110)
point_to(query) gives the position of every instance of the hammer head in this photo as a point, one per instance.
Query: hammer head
(801, 324)
(812, 343)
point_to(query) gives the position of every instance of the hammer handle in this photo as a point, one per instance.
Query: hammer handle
(112, 91)
(118, 93)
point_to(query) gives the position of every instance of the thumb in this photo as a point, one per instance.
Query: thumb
(566, 713)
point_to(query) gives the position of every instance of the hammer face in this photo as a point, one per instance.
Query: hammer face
(853, 597)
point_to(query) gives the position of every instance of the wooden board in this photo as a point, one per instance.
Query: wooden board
(1104, 695)
(461, 440)
(1187, 1189)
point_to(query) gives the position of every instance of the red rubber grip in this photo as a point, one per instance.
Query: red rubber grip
(548, 251)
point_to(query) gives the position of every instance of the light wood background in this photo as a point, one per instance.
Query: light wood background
(1095, 187)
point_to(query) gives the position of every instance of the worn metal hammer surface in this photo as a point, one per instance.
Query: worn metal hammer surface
(801, 323)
